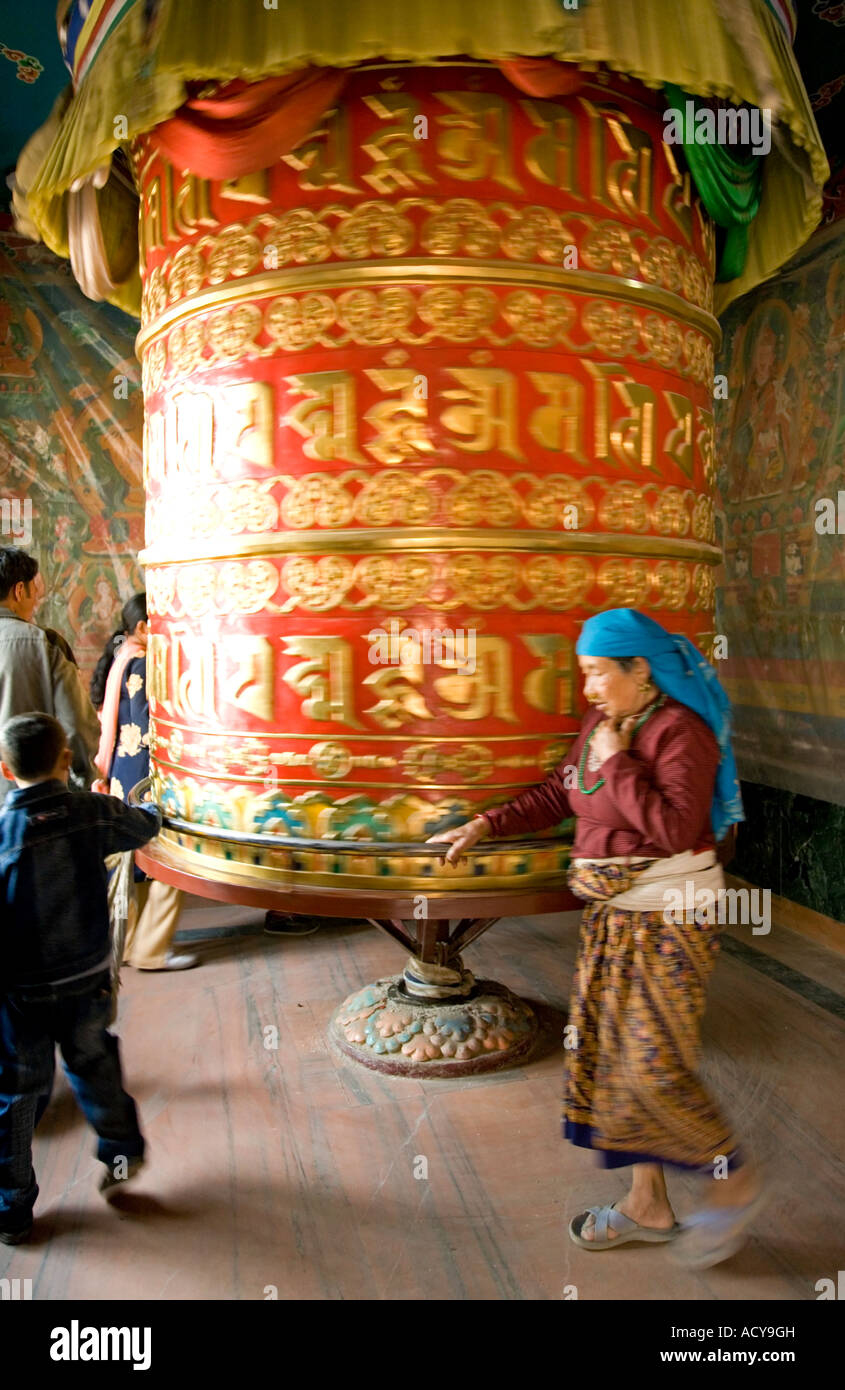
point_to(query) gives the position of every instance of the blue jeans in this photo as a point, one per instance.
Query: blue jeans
(31, 1023)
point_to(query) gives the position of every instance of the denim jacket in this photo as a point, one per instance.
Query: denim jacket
(54, 916)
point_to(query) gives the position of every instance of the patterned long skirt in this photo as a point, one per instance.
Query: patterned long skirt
(633, 1041)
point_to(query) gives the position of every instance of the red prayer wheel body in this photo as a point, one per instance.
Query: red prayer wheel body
(445, 371)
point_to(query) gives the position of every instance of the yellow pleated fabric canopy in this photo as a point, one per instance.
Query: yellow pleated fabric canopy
(733, 49)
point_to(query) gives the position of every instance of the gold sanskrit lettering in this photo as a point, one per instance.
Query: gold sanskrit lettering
(192, 203)
(250, 685)
(398, 698)
(550, 156)
(476, 139)
(245, 411)
(489, 413)
(706, 441)
(402, 431)
(326, 418)
(323, 159)
(631, 438)
(678, 442)
(192, 684)
(549, 688)
(324, 678)
(677, 197)
(485, 692)
(249, 188)
(557, 425)
(189, 435)
(627, 184)
(394, 150)
(157, 686)
(153, 230)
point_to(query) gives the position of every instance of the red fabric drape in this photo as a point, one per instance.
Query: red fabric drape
(543, 77)
(246, 126)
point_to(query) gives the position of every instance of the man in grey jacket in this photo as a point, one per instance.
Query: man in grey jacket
(34, 675)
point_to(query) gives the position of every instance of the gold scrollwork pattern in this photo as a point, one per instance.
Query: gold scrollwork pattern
(441, 583)
(669, 514)
(238, 586)
(625, 583)
(316, 500)
(317, 585)
(559, 583)
(540, 320)
(704, 587)
(386, 500)
(381, 317)
(464, 227)
(484, 497)
(434, 496)
(231, 333)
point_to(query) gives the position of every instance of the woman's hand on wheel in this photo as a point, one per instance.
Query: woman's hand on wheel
(460, 839)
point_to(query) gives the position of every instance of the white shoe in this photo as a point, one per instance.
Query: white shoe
(176, 961)
(184, 960)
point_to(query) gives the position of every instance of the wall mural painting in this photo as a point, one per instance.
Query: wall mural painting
(70, 443)
(781, 434)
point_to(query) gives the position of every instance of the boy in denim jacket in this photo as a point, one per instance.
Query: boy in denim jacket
(55, 958)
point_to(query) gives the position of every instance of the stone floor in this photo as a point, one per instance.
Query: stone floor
(291, 1173)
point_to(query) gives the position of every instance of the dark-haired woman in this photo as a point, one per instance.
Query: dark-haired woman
(123, 760)
(133, 612)
(652, 783)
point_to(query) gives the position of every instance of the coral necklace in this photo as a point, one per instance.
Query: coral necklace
(588, 791)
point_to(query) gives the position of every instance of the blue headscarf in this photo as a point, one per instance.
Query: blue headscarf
(679, 669)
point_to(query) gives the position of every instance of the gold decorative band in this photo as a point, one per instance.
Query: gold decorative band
(368, 540)
(221, 866)
(448, 270)
(218, 731)
(243, 780)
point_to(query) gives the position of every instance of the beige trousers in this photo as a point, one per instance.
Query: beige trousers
(153, 917)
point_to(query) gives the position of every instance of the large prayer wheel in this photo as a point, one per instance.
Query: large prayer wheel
(445, 368)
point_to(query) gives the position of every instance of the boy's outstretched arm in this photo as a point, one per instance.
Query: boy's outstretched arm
(126, 827)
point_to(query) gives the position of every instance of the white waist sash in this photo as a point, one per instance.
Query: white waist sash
(670, 883)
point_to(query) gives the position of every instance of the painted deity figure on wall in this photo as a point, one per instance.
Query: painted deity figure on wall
(763, 420)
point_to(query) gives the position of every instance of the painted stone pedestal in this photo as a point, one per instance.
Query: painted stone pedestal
(435, 1019)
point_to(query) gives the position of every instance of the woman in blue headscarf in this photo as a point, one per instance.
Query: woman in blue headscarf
(652, 783)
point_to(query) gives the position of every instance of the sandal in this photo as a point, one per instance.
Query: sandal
(626, 1229)
(713, 1235)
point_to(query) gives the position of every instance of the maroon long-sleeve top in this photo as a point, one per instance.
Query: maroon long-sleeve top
(655, 800)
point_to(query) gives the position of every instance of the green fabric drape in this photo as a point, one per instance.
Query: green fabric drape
(730, 188)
